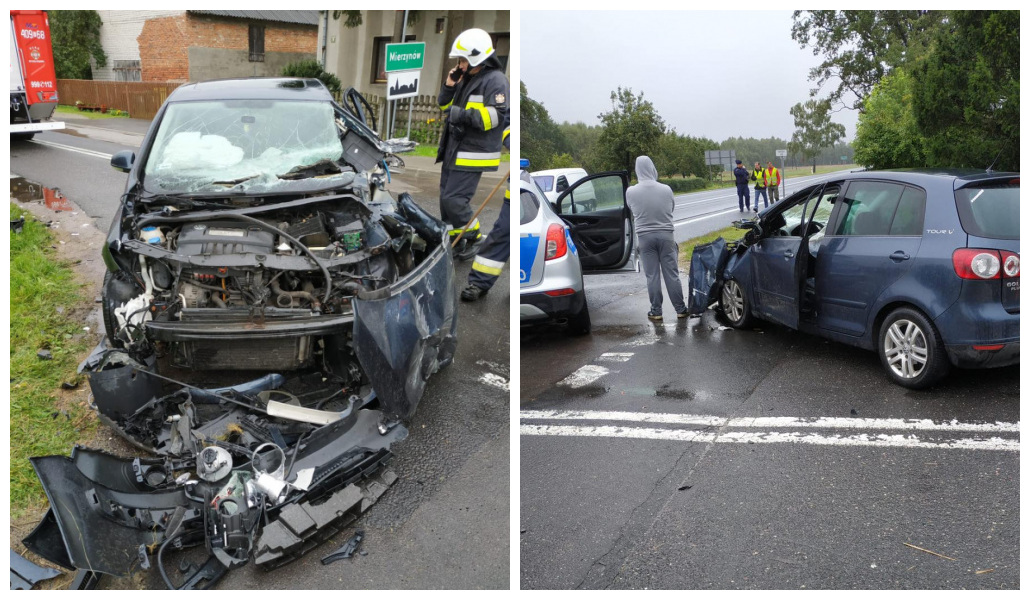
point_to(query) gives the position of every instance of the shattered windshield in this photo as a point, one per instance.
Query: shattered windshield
(246, 146)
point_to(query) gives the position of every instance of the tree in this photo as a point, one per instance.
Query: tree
(861, 46)
(966, 92)
(541, 138)
(631, 128)
(311, 68)
(887, 135)
(75, 39)
(582, 143)
(813, 129)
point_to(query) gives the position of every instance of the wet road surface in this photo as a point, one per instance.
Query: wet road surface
(445, 523)
(688, 455)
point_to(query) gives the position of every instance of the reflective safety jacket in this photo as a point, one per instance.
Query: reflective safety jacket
(758, 176)
(477, 116)
(772, 177)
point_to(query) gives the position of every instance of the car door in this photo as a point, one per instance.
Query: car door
(779, 259)
(876, 235)
(600, 222)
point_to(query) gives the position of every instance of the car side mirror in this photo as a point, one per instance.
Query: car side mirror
(123, 160)
(746, 224)
(561, 186)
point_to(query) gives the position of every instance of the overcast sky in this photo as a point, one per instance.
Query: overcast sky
(714, 74)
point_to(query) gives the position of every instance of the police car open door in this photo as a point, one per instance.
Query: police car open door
(600, 222)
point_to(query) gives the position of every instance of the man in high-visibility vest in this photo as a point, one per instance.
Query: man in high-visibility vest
(758, 176)
(489, 263)
(475, 96)
(772, 182)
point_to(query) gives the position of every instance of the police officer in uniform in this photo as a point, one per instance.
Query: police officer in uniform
(740, 174)
(487, 266)
(475, 97)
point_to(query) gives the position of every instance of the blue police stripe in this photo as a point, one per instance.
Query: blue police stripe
(528, 245)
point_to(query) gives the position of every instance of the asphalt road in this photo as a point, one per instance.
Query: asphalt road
(698, 213)
(445, 523)
(686, 455)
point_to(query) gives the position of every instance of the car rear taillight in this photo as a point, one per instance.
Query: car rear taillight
(1009, 265)
(556, 246)
(975, 263)
(561, 292)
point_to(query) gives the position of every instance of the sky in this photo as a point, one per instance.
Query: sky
(716, 74)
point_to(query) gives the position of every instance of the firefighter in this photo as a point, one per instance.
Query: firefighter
(475, 96)
(486, 268)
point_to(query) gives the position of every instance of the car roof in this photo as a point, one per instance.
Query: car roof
(252, 88)
(558, 171)
(930, 176)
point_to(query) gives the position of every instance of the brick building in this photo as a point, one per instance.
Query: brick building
(195, 45)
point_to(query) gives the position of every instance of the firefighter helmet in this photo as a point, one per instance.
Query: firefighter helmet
(474, 45)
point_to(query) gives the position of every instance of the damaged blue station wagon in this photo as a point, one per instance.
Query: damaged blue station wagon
(921, 266)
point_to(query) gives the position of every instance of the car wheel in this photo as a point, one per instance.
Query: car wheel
(733, 303)
(110, 321)
(580, 323)
(911, 350)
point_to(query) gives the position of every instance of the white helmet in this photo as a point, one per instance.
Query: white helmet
(474, 45)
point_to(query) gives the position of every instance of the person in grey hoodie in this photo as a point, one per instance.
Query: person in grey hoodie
(652, 204)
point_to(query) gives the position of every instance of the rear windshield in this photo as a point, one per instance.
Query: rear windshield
(528, 207)
(546, 182)
(990, 210)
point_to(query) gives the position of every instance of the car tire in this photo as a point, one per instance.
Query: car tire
(911, 350)
(734, 305)
(110, 320)
(579, 324)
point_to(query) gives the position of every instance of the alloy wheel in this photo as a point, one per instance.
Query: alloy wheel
(905, 348)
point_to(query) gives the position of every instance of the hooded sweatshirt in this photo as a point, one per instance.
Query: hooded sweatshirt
(650, 201)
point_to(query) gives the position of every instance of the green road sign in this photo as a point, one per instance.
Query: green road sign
(405, 57)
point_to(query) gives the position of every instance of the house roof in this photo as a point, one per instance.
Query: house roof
(302, 17)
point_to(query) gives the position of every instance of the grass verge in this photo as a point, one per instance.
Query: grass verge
(427, 150)
(71, 110)
(730, 234)
(47, 310)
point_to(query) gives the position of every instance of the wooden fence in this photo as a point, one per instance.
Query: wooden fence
(141, 99)
(426, 118)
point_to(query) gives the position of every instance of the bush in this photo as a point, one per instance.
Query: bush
(311, 68)
(684, 185)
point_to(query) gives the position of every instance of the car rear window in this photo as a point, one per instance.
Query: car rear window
(546, 182)
(990, 210)
(528, 207)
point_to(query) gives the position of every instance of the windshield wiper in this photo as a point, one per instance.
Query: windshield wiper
(321, 168)
(234, 182)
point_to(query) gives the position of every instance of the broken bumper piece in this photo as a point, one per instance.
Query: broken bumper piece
(111, 515)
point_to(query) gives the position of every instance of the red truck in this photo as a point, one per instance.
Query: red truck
(33, 80)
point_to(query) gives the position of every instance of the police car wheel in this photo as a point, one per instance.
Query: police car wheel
(733, 304)
(580, 323)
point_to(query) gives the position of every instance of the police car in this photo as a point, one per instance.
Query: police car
(588, 229)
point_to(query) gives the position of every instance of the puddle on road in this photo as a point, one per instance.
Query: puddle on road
(24, 190)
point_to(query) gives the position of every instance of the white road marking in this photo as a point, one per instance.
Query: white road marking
(744, 437)
(584, 375)
(704, 217)
(773, 422)
(501, 368)
(495, 381)
(92, 153)
(616, 356)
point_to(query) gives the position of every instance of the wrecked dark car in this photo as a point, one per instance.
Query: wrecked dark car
(920, 266)
(255, 235)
